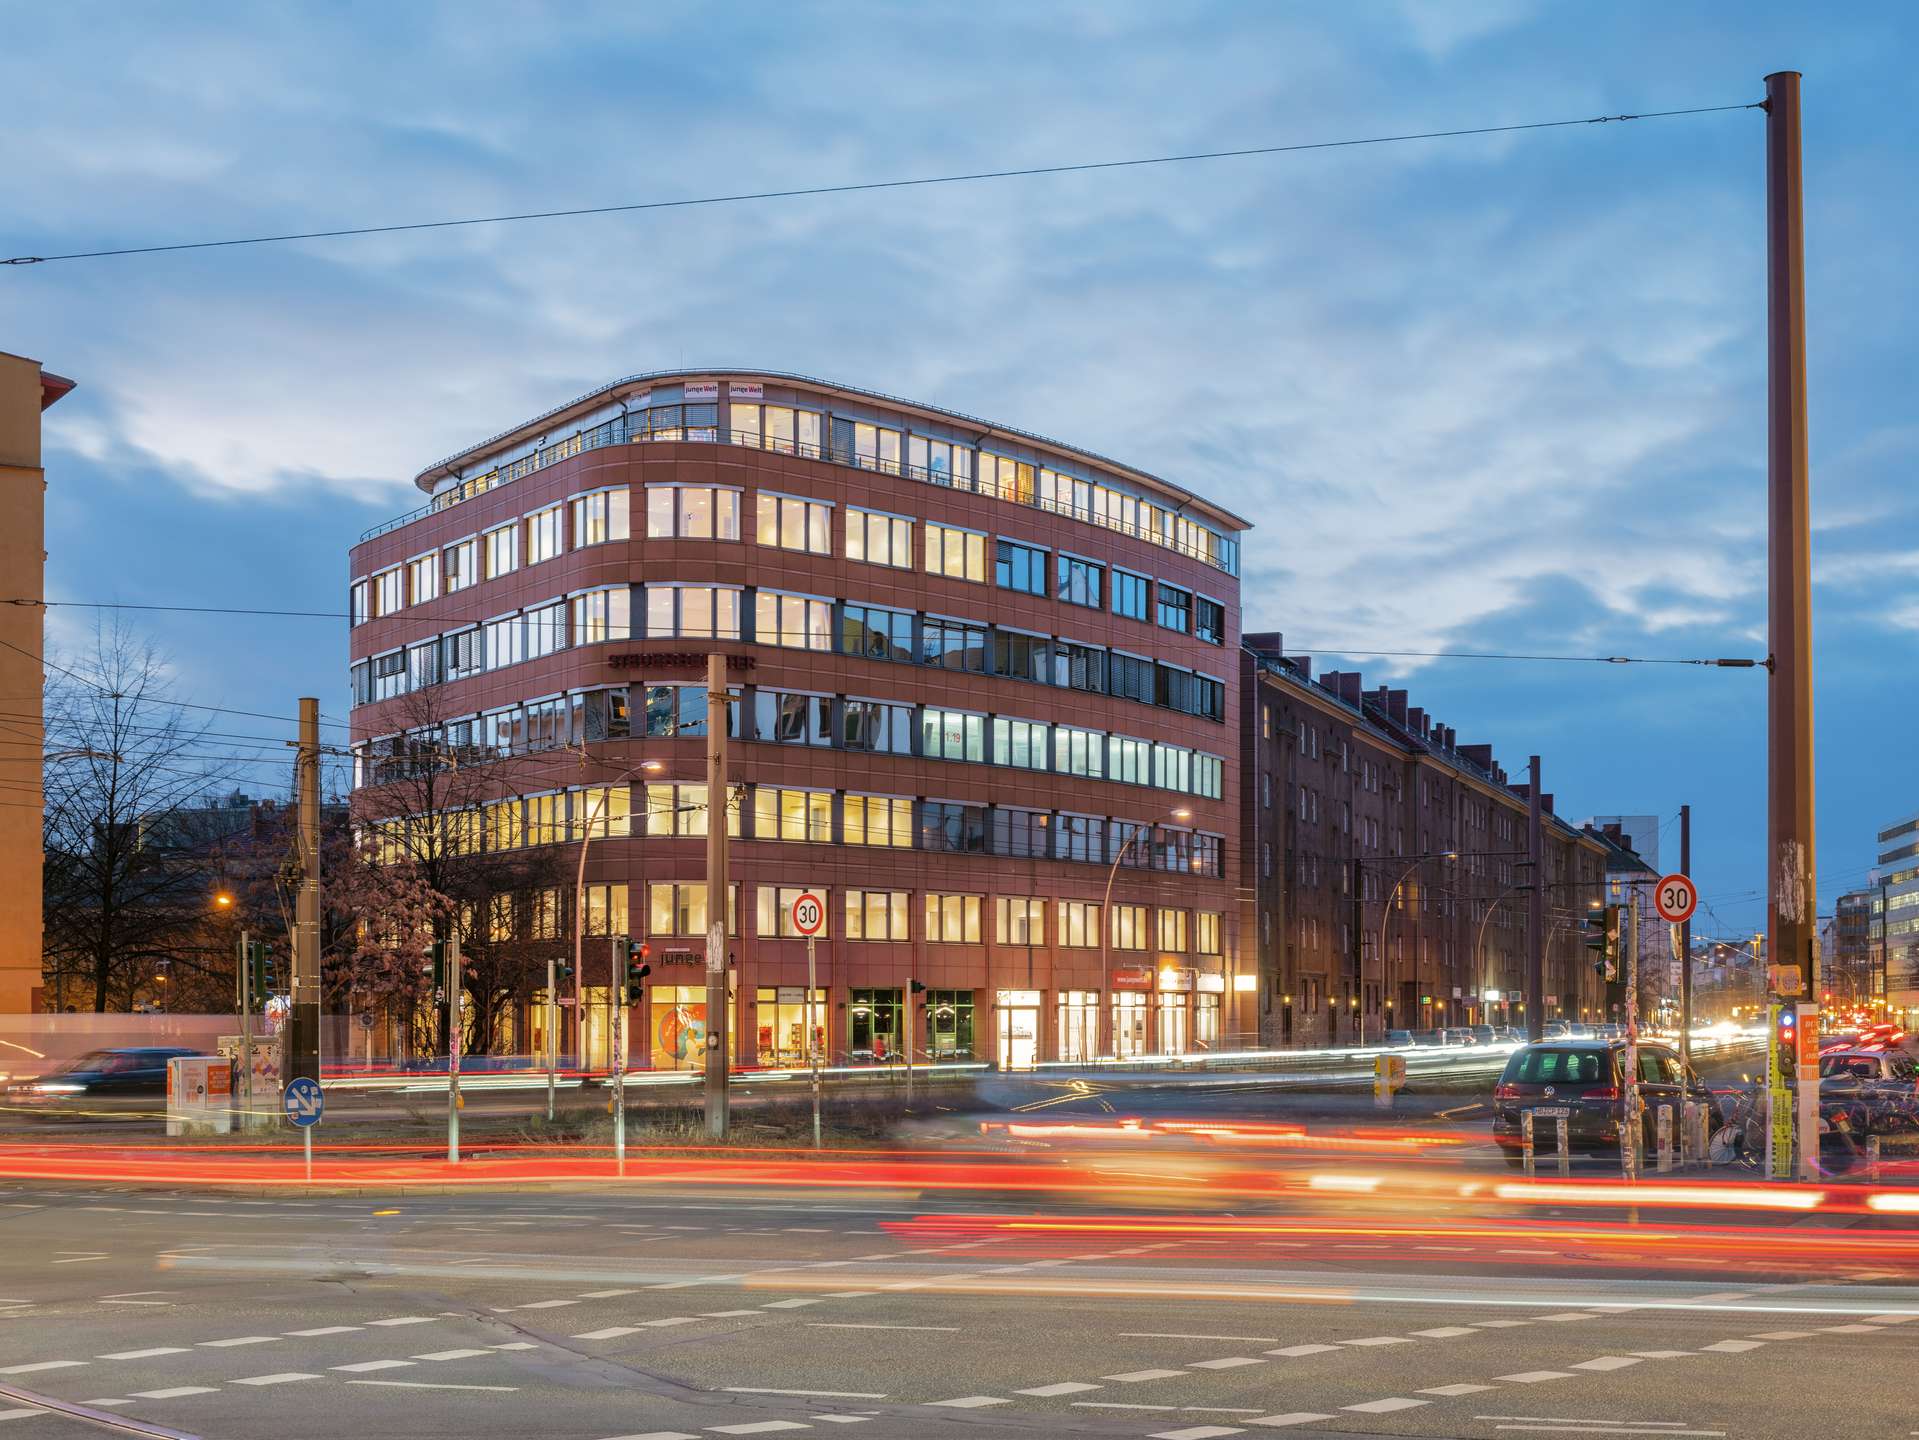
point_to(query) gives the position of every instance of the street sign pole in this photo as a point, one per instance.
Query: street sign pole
(618, 967)
(1629, 1133)
(552, 1041)
(718, 708)
(243, 988)
(303, 1102)
(453, 1028)
(809, 917)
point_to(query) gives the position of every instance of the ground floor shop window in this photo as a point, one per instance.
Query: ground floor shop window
(1206, 1022)
(949, 1024)
(1129, 1025)
(1078, 1025)
(873, 1026)
(782, 1021)
(1018, 1029)
(677, 1027)
(1175, 1024)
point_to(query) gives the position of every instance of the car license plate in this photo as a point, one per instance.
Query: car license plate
(1552, 1112)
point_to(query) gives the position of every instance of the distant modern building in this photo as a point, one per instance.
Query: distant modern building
(26, 390)
(982, 677)
(1382, 877)
(1848, 957)
(1896, 908)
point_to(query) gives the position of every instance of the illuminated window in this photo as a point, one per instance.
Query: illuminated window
(692, 512)
(795, 524)
(878, 820)
(1172, 930)
(605, 810)
(1207, 922)
(1078, 924)
(785, 814)
(952, 735)
(958, 554)
(774, 912)
(600, 517)
(606, 910)
(692, 612)
(502, 551)
(462, 565)
(1129, 927)
(423, 578)
(545, 534)
(680, 908)
(1019, 920)
(602, 615)
(952, 919)
(879, 539)
(682, 810)
(389, 591)
(796, 622)
(876, 915)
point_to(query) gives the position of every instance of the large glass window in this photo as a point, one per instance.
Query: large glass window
(505, 642)
(787, 717)
(605, 910)
(1129, 1025)
(937, 461)
(1007, 478)
(875, 633)
(358, 598)
(682, 810)
(1172, 930)
(795, 524)
(1206, 924)
(787, 814)
(1020, 832)
(1078, 1025)
(1175, 607)
(1023, 744)
(692, 512)
(958, 554)
(1078, 924)
(545, 534)
(1128, 760)
(1129, 595)
(1020, 567)
(502, 551)
(952, 919)
(878, 820)
(1079, 667)
(1129, 927)
(953, 645)
(389, 675)
(600, 517)
(546, 629)
(876, 915)
(1132, 677)
(693, 612)
(951, 827)
(679, 908)
(785, 430)
(462, 564)
(1020, 656)
(873, 1025)
(875, 447)
(1080, 837)
(952, 735)
(877, 726)
(461, 654)
(796, 622)
(783, 1016)
(1080, 582)
(949, 1024)
(423, 577)
(1019, 920)
(879, 539)
(1209, 624)
(1079, 752)
(604, 810)
(389, 591)
(602, 615)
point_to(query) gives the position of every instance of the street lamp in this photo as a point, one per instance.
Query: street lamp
(1181, 814)
(1387, 915)
(649, 767)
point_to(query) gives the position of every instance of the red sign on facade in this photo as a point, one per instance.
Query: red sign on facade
(1133, 977)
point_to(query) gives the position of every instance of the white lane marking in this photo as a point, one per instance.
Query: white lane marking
(137, 1302)
(657, 1435)
(1533, 1377)
(1181, 1335)
(40, 1365)
(1608, 1362)
(451, 1354)
(1444, 1332)
(429, 1385)
(725, 1314)
(325, 1330)
(547, 1304)
(1382, 1407)
(1064, 1387)
(1133, 1377)
(239, 1340)
(788, 1304)
(1604, 1430)
(852, 1325)
(1230, 1362)
(282, 1377)
(605, 1294)
(517, 1345)
(404, 1320)
(1291, 1417)
(971, 1402)
(1198, 1432)
(1117, 1405)
(1292, 1350)
(362, 1366)
(1451, 1390)
(1732, 1347)
(1498, 1324)
(844, 1419)
(173, 1392)
(1850, 1329)
(1660, 1354)
(1784, 1335)
(612, 1332)
(147, 1353)
(808, 1394)
(1893, 1319)
(754, 1427)
(667, 1320)
(1569, 1315)
(1379, 1340)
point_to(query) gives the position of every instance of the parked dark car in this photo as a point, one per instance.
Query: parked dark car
(128, 1077)
(1584, 1080)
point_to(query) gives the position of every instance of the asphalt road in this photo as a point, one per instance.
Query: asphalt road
(597, 1314)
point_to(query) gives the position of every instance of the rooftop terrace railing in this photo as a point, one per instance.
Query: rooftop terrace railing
(619, 431)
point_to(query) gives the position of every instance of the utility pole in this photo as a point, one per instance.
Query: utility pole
(243, 1001)
(1792, 891)
(552, 1040)
(455, 1026)
(1631, 1129)
(1535, 908)
(718, 712)
(1685, 946)
(303, 1021)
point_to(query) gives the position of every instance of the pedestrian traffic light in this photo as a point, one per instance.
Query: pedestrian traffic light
(1785, 1038)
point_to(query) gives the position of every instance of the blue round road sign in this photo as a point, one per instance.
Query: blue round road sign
(304, 1101)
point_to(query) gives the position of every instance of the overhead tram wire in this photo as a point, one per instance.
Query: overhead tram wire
(857, 187)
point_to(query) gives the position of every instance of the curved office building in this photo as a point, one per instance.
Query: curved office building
(974, 669)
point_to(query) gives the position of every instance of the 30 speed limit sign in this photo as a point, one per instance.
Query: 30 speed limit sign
(1676, 898)
(809, 913)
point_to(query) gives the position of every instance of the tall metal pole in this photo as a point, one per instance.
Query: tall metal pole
(717, 711)
(242, 994)
(1535, 908)
(552, 1040)
(303, 1020)
(455, 1026)
(1685, 947)
(1631, 1129)
(1792, 893)
(617, 964)
(812, 1038)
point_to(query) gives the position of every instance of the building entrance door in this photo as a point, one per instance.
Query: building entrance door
(1018, 1012)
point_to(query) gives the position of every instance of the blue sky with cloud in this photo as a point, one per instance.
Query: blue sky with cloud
(1494, 393)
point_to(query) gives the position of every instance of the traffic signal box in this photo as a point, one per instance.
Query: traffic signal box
(631, 957)
(1601, 932)
(262, 974)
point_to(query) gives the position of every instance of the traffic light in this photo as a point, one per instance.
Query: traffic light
(436, 968)
(1785, 1038)
(261, 977)
(636, 970)
(1601, 932)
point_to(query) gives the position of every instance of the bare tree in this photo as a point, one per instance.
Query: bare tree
(126, 897)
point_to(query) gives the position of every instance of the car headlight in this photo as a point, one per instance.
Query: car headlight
(58, 1087)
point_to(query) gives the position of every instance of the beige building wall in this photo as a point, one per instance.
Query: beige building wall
(25, 391)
